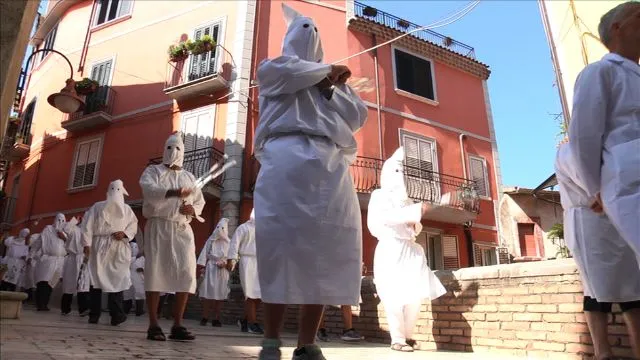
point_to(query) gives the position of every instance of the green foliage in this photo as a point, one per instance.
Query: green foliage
(556, 234)
(178, 52)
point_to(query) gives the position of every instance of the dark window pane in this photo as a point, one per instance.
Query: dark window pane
(413, 75)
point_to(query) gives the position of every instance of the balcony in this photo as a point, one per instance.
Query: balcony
(199, 75)
(369, 13)
(457, 197)
(199, 162)
(98, 111)
(7, 209)
(18, 140)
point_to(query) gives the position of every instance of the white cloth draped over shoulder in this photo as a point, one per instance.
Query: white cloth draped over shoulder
(243, 244)
(308, 223)
(213, 257)
(110, 258)
(169, 245)
(49, 250)
(598, 249)
(604, 136)
(401, 273)
(15, 258)
(74, 259)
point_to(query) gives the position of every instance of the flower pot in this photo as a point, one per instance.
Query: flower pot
(207, 46)
(86, 90)
(403, 24)
(370, 11)
(447, 41)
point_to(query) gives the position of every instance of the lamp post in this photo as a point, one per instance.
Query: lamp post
(67, 99)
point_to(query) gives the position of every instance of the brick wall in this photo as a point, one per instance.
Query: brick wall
(529, 309)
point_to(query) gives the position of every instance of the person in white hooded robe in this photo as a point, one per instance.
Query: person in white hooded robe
(308, 220)
(171, 201)
(17, 252)
(401, 273)
(107, 228)
(243, 245)
(136, 291)
(49, 252)
(214, 288)
(608, 266)
(29, 278)
(604, 132)
(76, 257)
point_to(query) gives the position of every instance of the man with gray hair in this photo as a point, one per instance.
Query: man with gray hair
(604, 133)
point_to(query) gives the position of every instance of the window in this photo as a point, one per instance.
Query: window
(49, 42)
(204, 64)
(109, 10)
(85, 163)
(197, 129)
(101, 72)
(478, 171)
(485, 255)
(414, 74)
(441, 250)
(24, 132)
(421, 167)
(450, 252)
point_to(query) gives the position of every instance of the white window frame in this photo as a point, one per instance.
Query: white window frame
(211, 109)
(222, 22)
(434, 145)
(486, 174)
(45, 54)
(94, 22)
(96, 173)
(110, 76)
(435, 101)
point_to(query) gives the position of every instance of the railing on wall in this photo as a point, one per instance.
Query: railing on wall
(369, 13)
(198, 67)
(101, 99)
(199, 162)
(422, 185)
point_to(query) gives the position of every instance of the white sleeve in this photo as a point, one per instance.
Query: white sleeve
(236, 239)
(202, 258)
(289, 74)
(149, 183)
(132, 225)
(348, 104)
(587, 126)
(87, 227)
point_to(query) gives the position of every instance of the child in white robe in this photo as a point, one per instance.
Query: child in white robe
(214, 288)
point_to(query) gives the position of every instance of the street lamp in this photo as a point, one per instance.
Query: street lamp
(67, 100)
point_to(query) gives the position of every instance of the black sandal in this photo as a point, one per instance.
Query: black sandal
(180, 333)
(155, 334)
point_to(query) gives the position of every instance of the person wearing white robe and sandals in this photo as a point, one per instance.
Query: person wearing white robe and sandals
(308, 219)
(214, 289)
(401, 274)
(73, 262)
(243, 246)
(107, 228)
(171, 201)
(49, 253)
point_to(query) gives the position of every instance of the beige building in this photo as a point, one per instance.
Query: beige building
(572, 32)
(526, 216)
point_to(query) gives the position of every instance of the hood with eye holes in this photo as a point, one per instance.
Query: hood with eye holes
(303, 40)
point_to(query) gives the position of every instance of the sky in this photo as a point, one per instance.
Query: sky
(509, 37)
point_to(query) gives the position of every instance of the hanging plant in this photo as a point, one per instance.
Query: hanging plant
(447, 41)
(201, 46)
(86, 86)
(178, 52)
(403, 23)
(370, 11)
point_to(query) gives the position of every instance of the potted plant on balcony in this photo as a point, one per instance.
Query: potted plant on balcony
(201, 46)
(178, 52)
(447, 41)
(86, 86)
(403, 23)
(370, 11)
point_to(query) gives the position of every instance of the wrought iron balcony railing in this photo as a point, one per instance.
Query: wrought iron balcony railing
(200, 67)
(199, 162)
(422, 185)
(372, 14)
(101, 99)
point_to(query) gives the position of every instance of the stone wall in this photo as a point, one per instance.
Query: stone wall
(528, 309)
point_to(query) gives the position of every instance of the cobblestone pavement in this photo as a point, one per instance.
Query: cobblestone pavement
(50, 335)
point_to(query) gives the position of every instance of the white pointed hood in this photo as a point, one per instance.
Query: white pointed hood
(221, 231)
(173, 150)
(114, 209)
(392, 177)
(134, 249)
(302, 38)
(60, 222)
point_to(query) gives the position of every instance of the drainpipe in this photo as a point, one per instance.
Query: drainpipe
(467, 227)
(379, 112)
(87, 37)
(33, 191)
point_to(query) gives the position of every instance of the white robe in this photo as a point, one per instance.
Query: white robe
(50, 252)
(401, 273)
(608, 266)
(605, 124)
(308, 220)
(169, 245)
(215, 285)
(136, 291)
(29, 281)
(73, 260)
(110, 259)
(243, 244)
(16, 260)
